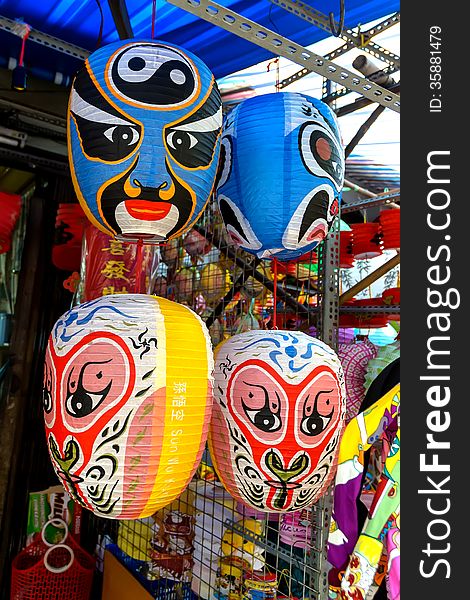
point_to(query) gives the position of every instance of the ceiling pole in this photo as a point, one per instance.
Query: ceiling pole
(121, 19)
(363, 129)
(278, 45)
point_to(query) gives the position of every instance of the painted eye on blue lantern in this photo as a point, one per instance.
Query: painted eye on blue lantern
(321, 152)
(122, 134)
(104, 133)
(309, 223)
(225, 161)
(237, 226)
(192, 142)
(181, 141)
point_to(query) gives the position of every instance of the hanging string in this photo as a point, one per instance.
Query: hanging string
(100, 33)
(278, 77)
(23, 43)
(138, 266)
(275, 294)
(154, 14)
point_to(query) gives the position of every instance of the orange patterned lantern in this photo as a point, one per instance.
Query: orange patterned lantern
(127, 402)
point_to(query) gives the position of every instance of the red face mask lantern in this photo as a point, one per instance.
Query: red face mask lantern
(126, 403)
(278, 415)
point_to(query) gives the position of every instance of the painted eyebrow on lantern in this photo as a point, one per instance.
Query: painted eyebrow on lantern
(207, 124)
(81, 108)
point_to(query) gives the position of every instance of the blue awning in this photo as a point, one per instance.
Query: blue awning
(78, 22)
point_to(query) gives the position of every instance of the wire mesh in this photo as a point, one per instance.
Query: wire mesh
(205, 544)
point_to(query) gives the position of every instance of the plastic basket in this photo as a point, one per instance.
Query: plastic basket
(44, 571)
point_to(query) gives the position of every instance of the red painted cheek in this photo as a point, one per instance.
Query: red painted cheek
(93, 381)
(259, 405)
(317, 411)
(49, 384)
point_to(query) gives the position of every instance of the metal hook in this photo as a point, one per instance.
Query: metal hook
(339, 31)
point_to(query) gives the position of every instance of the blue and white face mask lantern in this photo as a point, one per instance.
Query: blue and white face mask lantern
(281, 174)
(144, 125)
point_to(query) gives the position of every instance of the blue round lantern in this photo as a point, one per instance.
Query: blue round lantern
(280, 175)
(144, 125)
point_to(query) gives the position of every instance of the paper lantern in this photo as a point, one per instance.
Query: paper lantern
(390, 226)
(144, 125)
(213, 283)
(354, 360)
(127, 402)
(110, 266)
(185, 284)
(278, 415)
(68, 233)
(170, 253)
(196, 244)
(366, 240)
(281, 174)
(10, 208)
(346, 256)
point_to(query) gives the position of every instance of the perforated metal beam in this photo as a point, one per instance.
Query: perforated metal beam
(353, 39)
(49, 41)
(269, 40)
(378, 200)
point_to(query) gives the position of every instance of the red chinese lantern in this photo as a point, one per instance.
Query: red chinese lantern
(348, 319)
(346, 256)
(196, 244)
(10, 207)
(391, 296)
(390, 224)
(69, 226)
(366, 240)
(110, 266)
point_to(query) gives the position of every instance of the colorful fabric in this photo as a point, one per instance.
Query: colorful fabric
(354, 360)
(385, 355)
(356, 557)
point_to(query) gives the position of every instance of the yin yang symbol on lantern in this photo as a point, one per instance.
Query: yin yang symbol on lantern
(279, 409)
(144, 125)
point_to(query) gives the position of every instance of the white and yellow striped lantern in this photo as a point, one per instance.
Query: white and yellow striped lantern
(127, 402)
